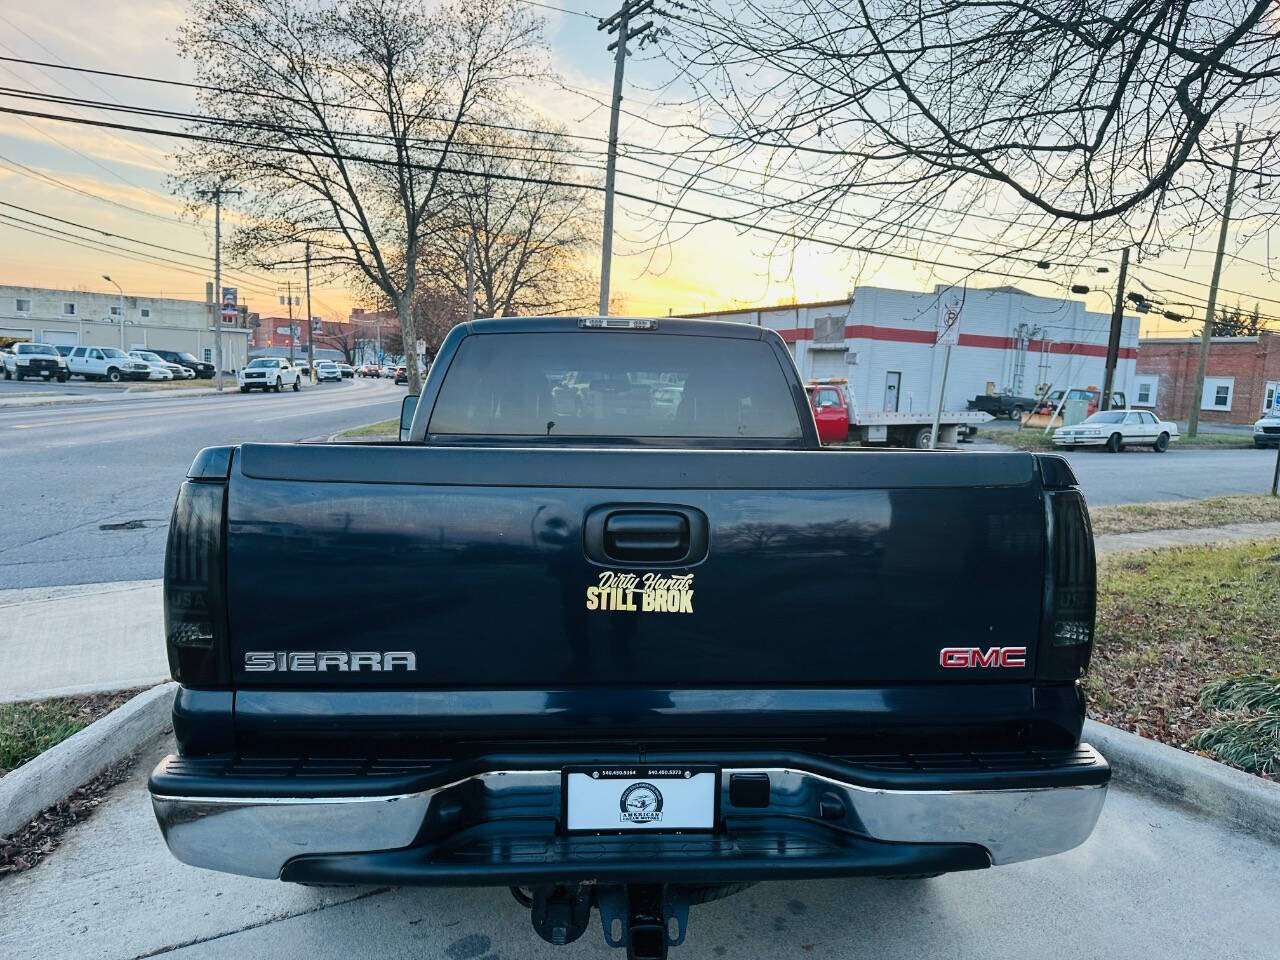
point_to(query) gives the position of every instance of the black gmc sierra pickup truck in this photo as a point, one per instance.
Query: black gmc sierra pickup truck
(627, 638)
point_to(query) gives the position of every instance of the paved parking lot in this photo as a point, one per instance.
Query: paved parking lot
(1153, 881)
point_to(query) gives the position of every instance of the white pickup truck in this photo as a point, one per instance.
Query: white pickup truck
(106, 363)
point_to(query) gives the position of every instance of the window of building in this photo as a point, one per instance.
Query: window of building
(22, 306)
(145, 312)
(1269, 398)
(207, 353)
(1145, 391)
(1217, 393)
(68, 309)
(115, 311)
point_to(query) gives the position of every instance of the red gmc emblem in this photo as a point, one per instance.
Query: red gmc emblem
(977, 657)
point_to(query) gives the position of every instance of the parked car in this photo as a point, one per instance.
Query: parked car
(402, 374)
(176, 370)
(1092, 395)
(1003, 405)
(369, 370)
(388, 370)
(40, 360)
(348, 372)
(269, 373)
(625, 728)
(205, 371)
(159, 370)
(64, 349)
(327, 370)
(303, 368)
(106, 363)
(1266, 430)
(1116, 429)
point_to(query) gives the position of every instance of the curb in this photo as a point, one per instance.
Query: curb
(55, 773)
(1185, 778)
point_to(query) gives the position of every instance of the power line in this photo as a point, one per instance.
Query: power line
(1011, 249)
(704, 216)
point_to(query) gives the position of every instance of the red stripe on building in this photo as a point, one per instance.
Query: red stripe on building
(903, 335)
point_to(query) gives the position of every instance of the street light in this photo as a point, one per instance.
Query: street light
(117, 286)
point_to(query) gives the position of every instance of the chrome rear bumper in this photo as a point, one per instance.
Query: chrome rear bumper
(258, 836)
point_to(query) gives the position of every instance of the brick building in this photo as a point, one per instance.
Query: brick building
(1240, 384)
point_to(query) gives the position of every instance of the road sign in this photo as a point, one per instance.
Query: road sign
(950, 305)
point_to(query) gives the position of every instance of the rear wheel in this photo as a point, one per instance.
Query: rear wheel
(1162, 443)
(1016, 416)
(1115, 443)
(922, 438)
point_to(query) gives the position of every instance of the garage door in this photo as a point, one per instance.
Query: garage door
(15, 333)
(827, 363)
(60, 338)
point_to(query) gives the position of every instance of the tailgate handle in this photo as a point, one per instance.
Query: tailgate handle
(646, 536)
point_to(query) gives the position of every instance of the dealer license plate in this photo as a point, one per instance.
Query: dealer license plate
(627, 798)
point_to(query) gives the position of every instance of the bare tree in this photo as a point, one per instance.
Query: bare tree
(871, 118)
(531, 225)
(339, 118)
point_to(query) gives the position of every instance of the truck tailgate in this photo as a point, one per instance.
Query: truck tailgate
(552, 568)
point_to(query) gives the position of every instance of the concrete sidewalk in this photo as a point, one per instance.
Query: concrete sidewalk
(1154, 880)
(56, 641)
(1195, 537)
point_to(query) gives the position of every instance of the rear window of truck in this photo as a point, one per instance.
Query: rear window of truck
(606, 384)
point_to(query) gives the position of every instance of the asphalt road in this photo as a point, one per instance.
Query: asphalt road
(1140, 476)
(73, 473)
(1152, 881)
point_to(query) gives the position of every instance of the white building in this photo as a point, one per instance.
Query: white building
(74, 317)
(883, 342)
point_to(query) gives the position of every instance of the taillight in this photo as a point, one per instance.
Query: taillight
(1066, 639)
(195, 607)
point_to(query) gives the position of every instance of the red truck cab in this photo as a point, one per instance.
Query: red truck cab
(830, 409)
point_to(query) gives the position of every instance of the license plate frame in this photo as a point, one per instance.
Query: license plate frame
(605, 788)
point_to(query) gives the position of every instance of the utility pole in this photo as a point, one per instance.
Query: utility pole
(619, 23)
(217, 193)
(293, 330)
(1113, 342)
(311, 335)
(1206, 335)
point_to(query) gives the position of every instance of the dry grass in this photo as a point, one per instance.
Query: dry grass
(1034, 439)
(1185, 514)
(1170, 623)
(382, 430)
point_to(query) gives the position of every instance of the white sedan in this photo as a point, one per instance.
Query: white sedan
(157, 369)
(1116, 429)
(176, 370)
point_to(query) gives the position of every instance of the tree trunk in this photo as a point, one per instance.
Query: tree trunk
(409, 335)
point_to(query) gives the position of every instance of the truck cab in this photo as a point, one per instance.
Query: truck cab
(830, 411)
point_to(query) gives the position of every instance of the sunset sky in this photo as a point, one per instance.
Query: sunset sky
(118, 183)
